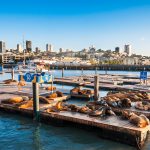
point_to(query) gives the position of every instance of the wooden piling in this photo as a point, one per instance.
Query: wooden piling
(36, 101)
(96, 87)
(62, 72)
(12, 74)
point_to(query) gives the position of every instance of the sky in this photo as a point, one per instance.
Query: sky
(77, 24)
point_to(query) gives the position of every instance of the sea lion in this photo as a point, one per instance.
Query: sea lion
(125, 103)
(73, 107)
(96, 113)
(108, 111)
(59, 94)
(50, 88)
(44, 100)
(84, 110)
(26, 104)
(25, 98)
(140, 121)
(13, 100)
(53, 95)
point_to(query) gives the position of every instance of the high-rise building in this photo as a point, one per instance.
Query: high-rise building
(2, 47)
(117, 49)
(60, 50)
(37, 50)
(128, 49)
(19, 48)
(49, 48)
(28, 46)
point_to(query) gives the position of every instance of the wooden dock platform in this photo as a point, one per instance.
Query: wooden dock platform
(112, 127)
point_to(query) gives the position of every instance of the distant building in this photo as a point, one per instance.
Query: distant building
(60, 50)
(37, 50)
(49, 48)
(19, 48)
(28, 46)
(117, 49)
(128, 49)
(92, 49)
(2, 47)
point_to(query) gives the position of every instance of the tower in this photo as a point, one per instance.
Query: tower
(28, 46)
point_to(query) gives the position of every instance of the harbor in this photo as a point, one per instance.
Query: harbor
(107, 127)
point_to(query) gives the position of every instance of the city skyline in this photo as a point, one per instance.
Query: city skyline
(77, 24)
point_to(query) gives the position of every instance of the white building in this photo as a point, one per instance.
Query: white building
(128, 49)
(49, 48)
(2, 47)
(19, 48)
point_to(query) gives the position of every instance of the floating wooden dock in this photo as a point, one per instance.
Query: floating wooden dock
(112, 127)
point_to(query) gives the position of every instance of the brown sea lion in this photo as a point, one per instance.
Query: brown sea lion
(27, 104)
(140, 121)
(50, 88)
(13, 100)
(84, 110)
(53, 95)
(59, 94)
(44, 100)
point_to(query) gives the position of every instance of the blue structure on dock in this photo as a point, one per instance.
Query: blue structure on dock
(143, 75)
(1, 68)
(36, 78)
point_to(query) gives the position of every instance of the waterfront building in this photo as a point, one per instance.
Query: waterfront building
(49, 48)
(128, 49)
(28, 46)
(19, 48)
(2, 47)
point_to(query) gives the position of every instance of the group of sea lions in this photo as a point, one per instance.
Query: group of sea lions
(26, 102)
(124, 99)
(143, 105)
(138, 120)
(90, 109)
(79, 91)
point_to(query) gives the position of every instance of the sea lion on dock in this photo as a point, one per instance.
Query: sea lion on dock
(97, 113)
(26, 104)
(84, 110)
(44, 100)
(140, 121)
(73, 107)
(144, 105)
(59, 94)
(50, 88)
(13, 100)
(53, 95)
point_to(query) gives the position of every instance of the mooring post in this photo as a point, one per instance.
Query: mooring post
(62, 72)
(12, 74)
(52, 85)
(36, 101)
(82, 71)
(96, 70)
(96, 87)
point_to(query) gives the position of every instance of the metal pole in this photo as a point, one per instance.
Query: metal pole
(62, 72)
(52, 84)
(96, 70)
(82, 71)
(96, 87)
(36, 101)
(12, 74)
